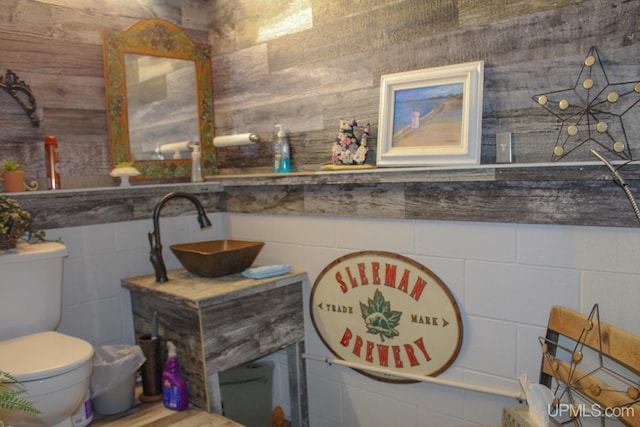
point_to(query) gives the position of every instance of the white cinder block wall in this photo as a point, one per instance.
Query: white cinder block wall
(505, 278)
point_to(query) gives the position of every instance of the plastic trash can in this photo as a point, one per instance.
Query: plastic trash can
(247, 392)
(113, 381)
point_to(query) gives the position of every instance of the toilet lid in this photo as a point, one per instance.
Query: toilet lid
(43, 355)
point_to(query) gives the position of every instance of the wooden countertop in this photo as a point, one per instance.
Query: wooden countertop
(194, 291)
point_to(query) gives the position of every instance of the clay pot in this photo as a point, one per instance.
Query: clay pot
(13, 181)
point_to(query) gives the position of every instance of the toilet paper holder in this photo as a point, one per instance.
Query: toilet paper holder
(236, 139)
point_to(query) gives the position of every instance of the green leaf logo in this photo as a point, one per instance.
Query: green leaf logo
(379, 318)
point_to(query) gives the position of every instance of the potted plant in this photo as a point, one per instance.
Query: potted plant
(13, 176)
(11, 391)
(15, 223)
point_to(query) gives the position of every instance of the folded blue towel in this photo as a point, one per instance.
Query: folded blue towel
(266, 271)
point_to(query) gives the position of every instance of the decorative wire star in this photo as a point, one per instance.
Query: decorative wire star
(572, 388)
(592, 110)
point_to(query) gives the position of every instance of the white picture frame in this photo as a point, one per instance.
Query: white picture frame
(446, 129)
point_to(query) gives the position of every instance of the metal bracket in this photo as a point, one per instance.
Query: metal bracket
(18, 89)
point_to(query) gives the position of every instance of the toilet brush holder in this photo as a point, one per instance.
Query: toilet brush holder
(151, 370)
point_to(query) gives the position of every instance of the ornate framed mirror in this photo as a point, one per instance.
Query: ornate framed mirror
(159, 99)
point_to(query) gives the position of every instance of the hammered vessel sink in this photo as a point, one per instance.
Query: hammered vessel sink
(215, 258)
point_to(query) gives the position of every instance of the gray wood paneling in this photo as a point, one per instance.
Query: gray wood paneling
(309, 73)
(252, 326)
(267, 200)
(56, 209)
(528, 48)
(307, 76)
(557, 202)
(570, 195)
(56, 47)
(181, 326)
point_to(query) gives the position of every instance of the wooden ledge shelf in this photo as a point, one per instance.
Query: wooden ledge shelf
(560, 194)
(585, 171)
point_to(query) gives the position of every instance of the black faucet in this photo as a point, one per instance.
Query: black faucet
(154, 235)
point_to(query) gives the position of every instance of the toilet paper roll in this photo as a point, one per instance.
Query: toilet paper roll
(175, 147)
(237, 139)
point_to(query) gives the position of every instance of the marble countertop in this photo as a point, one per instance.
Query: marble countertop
(196, 292)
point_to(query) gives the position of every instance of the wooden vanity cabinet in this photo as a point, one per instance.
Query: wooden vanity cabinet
(219, 323)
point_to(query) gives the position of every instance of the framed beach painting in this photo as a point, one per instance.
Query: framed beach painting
(431, 117)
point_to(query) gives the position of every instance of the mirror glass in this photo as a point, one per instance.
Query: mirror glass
(159, 99)
(162, 106)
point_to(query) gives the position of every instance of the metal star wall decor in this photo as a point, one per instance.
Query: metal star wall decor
(591, 111)
(581, 389)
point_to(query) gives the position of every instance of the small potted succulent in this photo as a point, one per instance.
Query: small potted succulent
(15, 223)
(13, 176)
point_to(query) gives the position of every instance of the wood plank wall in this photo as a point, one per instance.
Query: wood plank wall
(330, 68)
(308, 63)
(56, 48)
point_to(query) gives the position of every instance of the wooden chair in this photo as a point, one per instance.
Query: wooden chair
(612, 386)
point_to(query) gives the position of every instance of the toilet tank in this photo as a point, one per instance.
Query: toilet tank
(30, 288)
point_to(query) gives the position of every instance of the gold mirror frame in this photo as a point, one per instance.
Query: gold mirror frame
(155, 37)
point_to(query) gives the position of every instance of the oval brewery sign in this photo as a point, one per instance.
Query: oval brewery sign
(387, 311)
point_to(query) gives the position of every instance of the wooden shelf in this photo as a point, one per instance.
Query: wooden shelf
(561, 194)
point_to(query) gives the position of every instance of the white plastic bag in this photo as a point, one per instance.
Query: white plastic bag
(112, 364)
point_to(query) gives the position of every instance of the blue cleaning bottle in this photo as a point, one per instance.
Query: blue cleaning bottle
(175, 394)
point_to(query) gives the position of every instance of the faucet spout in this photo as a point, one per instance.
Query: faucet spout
(155, 256)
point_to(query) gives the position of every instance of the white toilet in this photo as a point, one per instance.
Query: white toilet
(54, 368)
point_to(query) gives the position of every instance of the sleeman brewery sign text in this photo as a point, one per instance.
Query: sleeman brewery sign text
(387, 311)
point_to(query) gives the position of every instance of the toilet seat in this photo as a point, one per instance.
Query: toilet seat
(43, 355)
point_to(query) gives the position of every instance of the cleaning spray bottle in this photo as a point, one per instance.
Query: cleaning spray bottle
(175, 394)
(282, 151)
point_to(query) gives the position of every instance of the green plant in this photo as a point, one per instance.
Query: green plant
(11, 391)
(15, 222)
(11, 166)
